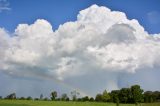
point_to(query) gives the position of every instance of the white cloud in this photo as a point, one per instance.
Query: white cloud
(153, 17)
(90, 53)
(4, 5)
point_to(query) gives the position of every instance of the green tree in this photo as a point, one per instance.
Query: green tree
(79, 99)
(114, 95)
(98, 98)
(53, 95)
(147, 96)
(11, 96)
(125, 95)
(105, 96)
(86, 98)
(74, 95)
(29, 98)
(137, 95)
(41, 97)
(151, 96)
(22, 98)
(156, 96)
(36, 98)
(45, 99)
(67, 99)
(64, 97)
(91, 99)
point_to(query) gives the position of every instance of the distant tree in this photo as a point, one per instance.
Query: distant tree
(147, 96)
(45, 99)
(98, 98)
(125, 95)
(11, 96)
(136, 93)
(29, 98)
(64, 97)
(58, 99)
(36, 98)
(156, 96)
(74, 95)
(22, 98)
(41, 97)
(105, 96)
(67, 99)
(53, 95)
(86, 98)
(151, 96)
(91, 99)
(1, 97)
(114, 95)
(79, 99)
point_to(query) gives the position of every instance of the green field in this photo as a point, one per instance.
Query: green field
(59, 103)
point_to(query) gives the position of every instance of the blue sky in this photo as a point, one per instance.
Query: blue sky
(60, 11)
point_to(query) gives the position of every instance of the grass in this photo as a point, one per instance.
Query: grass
(60, 103)
(151, 104)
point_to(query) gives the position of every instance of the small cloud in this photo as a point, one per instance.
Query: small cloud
(154, 17)
(4, 5)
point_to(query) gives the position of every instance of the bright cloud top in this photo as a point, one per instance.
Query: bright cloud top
(100, 41)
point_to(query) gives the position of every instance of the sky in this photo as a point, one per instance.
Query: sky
(61, 11)
(83, 45)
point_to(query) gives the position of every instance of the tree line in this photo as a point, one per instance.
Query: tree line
(134, 94)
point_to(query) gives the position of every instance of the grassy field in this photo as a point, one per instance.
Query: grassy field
(58, 103)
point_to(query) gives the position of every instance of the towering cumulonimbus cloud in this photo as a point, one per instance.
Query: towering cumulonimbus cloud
(91, 53)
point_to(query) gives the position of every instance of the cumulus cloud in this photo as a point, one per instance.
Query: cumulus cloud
(91, 53)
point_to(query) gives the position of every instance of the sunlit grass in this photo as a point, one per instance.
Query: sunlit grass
(60, 103)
